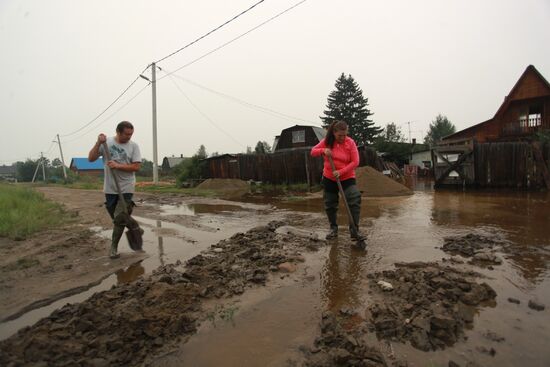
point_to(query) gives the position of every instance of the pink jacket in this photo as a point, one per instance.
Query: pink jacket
(345, 157)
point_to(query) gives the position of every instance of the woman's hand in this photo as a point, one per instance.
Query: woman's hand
(327, 152)
(336, 174)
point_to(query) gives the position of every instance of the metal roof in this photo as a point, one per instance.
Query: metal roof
(8, 170)
(82, 164)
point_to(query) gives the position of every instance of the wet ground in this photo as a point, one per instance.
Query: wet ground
(275, 324)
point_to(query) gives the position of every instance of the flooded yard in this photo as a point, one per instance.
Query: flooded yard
(281, 317)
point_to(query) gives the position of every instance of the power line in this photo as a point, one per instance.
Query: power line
(245, 103)
(109, 117)
(203, 114)
(212, 31)
(164, 58)
(107, 108)
(236, 38)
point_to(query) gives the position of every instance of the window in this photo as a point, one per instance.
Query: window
(299, 136)
(535, 116)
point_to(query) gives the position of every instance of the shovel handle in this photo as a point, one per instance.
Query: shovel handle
(120, 196)
(341, 189)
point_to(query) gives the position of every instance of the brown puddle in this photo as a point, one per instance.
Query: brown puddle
(269, 325)
(164, 242)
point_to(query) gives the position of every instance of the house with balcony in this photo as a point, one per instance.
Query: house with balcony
(503, 151)
(525, 111)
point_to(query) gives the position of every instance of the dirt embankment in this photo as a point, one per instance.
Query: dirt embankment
(373, 183)
(124, 325)
(48, 265)
(229, 187)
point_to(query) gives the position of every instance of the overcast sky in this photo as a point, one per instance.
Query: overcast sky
(62, 62)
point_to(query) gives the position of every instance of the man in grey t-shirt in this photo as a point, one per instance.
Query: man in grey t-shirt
(125, 161)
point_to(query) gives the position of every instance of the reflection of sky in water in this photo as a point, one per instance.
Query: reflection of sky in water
(194, 209)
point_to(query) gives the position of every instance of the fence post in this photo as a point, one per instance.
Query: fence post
(306, 157)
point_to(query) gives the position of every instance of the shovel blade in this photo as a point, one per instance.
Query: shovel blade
(134, 234)
(135, 240)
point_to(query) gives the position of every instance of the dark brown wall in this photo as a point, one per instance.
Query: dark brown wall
(285, 141)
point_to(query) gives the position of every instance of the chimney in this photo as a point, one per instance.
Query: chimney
(181, 155)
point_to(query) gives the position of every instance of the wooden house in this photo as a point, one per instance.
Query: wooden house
(502, 151)
(168, 163)
(525, 110)
(298, 136)
(8, 173)
(83, 167)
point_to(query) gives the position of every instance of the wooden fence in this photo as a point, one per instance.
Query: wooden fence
(289, 167)
(522, 165)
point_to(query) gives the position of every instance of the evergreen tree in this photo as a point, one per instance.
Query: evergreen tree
(262, 147)
(201, 153)
(347, 103)
(439, 128)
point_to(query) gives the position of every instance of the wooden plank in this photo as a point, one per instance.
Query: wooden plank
(541, 164)
(453, 167)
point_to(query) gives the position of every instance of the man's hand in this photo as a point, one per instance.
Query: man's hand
(327, 152)
(113, 164)
(102, 138)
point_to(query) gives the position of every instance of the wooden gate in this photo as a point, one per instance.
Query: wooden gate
(454, 163)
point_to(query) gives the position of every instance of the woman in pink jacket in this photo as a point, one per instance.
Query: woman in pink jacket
(345, 155)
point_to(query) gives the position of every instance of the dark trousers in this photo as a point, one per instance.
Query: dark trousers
(353, 197)
(116, 211)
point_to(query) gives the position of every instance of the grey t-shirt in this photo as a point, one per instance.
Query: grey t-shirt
(122, 153)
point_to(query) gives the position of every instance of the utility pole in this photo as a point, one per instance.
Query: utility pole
(43, 169)
(36, 170)
(409, 123)
(154, 89)
(62, 159)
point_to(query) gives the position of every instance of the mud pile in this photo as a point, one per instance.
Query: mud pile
(480, 248)
(338, 347)
(373, 183)
(425, 303)
(228, 186)
(124, 325)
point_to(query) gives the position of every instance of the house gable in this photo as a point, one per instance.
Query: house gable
(299, 136)
(525, 110)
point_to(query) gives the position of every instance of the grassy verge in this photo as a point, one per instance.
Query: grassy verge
(24, 211)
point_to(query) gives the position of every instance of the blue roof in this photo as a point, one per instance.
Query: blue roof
(83, 164)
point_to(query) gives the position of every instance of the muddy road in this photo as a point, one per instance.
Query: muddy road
(448, 279)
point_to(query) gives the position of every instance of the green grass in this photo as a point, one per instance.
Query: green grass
(24, 211)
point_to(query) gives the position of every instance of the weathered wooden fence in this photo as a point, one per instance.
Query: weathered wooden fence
(506, 164)
(288, 167)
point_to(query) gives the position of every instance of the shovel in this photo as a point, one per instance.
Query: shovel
(360, 241)
(134, 233)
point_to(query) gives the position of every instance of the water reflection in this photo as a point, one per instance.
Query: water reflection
(522, 217)
(341, 275)
(160, 244)
(130, 274)
(194, 209)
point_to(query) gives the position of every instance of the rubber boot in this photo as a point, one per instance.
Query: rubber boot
(333, 233)
(118, 231)
(353, 197)
(331, 208)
